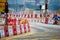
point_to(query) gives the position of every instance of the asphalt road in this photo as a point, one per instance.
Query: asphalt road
(46, 31)
(42, 32)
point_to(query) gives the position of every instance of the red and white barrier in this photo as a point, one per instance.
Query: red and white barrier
(25, 15)
(14, 30)
(33, 17)
(15, 26)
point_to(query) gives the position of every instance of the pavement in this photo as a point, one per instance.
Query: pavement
(39, 31)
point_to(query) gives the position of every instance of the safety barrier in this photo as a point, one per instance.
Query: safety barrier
(6, 31)
(16, 25)
(25, 15)
(38, 18)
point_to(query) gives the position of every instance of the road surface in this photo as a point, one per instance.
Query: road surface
(42, 32)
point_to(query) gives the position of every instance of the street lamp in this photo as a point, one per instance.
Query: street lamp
(16, 6)
(6, 11)
(46, 7)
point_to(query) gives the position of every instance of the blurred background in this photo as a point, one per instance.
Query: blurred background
(28, 5)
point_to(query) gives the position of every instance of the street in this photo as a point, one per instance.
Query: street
(29, 19)
(42, 32)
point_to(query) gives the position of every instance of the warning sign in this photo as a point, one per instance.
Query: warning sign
(2, 7)
(2, 1)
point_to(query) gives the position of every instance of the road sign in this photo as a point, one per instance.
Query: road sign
(2, 7)
(2, 1)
